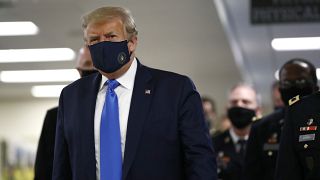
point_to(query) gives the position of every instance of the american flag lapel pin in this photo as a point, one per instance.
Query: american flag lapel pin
(147, 92)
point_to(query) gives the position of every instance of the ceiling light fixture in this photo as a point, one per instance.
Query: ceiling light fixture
(296, 44)
(52, 91)
(36, 55)
(19, 28)
(28, 76)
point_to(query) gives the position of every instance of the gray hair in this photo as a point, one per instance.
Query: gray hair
(104, 13)
(244, 84)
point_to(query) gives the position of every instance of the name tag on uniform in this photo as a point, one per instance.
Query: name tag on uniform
(270, 147)
(308, 128)
(307, 137)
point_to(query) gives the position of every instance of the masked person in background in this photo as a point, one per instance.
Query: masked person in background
(296, 78)
(299, 153)
(230, 146)
(210, 113)
(44, 158)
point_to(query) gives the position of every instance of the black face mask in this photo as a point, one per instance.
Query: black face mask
(85, 73)
(110, 56)
(276, 108)
(288, 93)
(240, 117)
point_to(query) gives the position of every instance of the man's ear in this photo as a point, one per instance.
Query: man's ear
(132, 44)
(259, 112)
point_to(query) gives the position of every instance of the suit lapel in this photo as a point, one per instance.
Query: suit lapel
(90, 102)
(139, 109)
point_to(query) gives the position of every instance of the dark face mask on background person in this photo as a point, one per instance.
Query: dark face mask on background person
(85, 73)
(109, 56)
(240, 117)
(276, 108)
(294, 89)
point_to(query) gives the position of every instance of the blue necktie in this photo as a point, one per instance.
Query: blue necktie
(110, 139)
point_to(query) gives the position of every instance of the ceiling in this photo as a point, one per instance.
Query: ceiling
(210, 41)
(184, 36)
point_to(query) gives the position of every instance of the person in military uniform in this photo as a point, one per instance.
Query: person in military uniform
(299, 153)
(230, 146)
(263, 143)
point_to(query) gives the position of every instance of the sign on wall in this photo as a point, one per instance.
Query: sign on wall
(284, 11)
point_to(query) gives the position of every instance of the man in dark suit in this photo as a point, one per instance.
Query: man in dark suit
(44, 157)
(243, 106)
(161, 128)
(299, 154)
(263, 144)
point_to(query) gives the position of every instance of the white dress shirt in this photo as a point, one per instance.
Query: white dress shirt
(124, 94)
(235, 138)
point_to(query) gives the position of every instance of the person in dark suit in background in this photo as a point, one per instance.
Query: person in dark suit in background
(210, 113)
(299, 154)
(264, 138)
(243, 106)
(45, 151)
(157, 125)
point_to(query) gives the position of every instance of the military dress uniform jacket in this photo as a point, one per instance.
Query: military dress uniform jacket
(263, 146)
(229, 162)
(299, 154)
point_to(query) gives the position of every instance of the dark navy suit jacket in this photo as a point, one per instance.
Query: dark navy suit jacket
(167, 138)
(45, 152)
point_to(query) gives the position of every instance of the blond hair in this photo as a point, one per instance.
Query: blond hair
(105, 13)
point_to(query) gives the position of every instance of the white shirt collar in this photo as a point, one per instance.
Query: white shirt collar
(127, 79)
(235, 138)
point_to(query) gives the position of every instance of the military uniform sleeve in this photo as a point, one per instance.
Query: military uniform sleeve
(252, 164)
(288, 166)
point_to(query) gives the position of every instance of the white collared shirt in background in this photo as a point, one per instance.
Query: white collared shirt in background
(235, 138)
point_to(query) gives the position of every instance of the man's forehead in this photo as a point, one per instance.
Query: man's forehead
(242, 92)
(110, 26)
(104, 22)
(295, 71)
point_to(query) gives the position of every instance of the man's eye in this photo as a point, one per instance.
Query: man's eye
(93, 41)
(112, 36)
(286, 84)
(246, 102)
